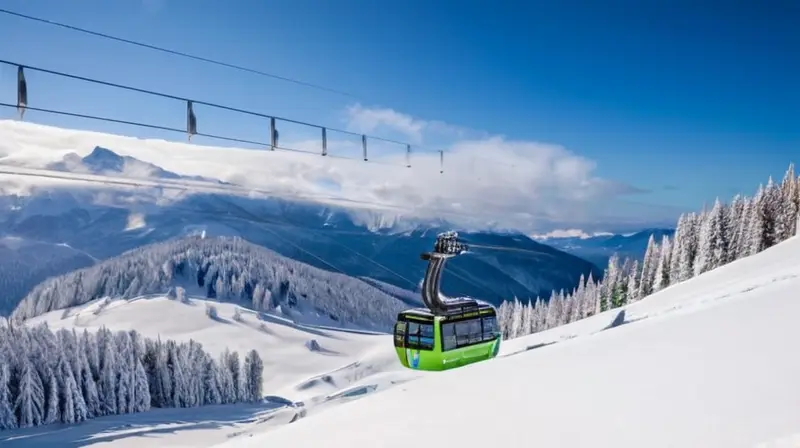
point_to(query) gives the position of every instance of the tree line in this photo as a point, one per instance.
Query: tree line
(702, 241)
(222, 268)
(64, 377)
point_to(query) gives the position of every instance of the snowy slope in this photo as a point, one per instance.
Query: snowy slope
(289, 365)
(297, 380)
(710, 362)
(705, 363)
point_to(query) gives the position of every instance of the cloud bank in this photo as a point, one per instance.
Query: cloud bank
(488, 180)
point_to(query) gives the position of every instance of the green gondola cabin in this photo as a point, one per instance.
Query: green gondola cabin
(447, 333)
(426, 341)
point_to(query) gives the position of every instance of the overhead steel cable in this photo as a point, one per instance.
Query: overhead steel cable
(199, 134)
(176, 53)
(194, 101)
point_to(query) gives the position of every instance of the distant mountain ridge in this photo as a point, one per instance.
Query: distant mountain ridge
(598, 249)
(104, 161)
(25, 263)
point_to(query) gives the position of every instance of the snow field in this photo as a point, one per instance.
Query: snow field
(346, 357)
(706, 363)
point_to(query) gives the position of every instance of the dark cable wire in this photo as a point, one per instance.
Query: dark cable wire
(199, 134)
(176, 53)
(200, 102)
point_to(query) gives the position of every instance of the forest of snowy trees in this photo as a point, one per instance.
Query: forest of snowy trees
(64, 377)
(702, 242)
(222, 268)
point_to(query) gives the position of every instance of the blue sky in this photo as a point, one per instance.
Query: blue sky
(686, 100)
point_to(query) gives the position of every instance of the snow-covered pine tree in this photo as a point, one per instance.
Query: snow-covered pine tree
(253, 376)
(675, 266)
(712, 250)
(689, 243)
(786, 220)
(107, 382)
(797, 223)
(764, 224)
(592, 296)
(579, 298)
(527, 319)
(29, 400)
(662, 275)
(648, 268)
(733, 227)
(235, 367)
(797, 205)
(632, 286)
(757, 229)
(744, 230)
(72, 407)
(539, 315)
(7, 418)
(621, 296)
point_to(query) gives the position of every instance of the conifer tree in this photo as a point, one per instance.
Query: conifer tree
(662, 274)
(786, 222)
(648, 268)
(675, 267)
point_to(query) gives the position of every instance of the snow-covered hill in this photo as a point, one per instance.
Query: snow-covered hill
(226, 269)
(292, 362)
(306, 368)
(706, 363)
(103, 194)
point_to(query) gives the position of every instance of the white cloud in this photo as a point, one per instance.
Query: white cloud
(520, 183)
(488, 180)
(568, 233)
(382, 120)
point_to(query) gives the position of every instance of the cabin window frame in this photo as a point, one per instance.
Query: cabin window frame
(416, 341)
(472, 337)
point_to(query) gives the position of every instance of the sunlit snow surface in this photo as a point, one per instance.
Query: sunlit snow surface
(711, 362)
(300, 377)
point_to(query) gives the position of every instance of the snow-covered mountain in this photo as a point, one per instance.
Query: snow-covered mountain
(105, 217)
(599, 248)
(225, 269)
(104, 161)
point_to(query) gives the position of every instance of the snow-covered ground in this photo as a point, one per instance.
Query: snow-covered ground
(706, 363)
(711, 362)
(299, 378)
(290, 366)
